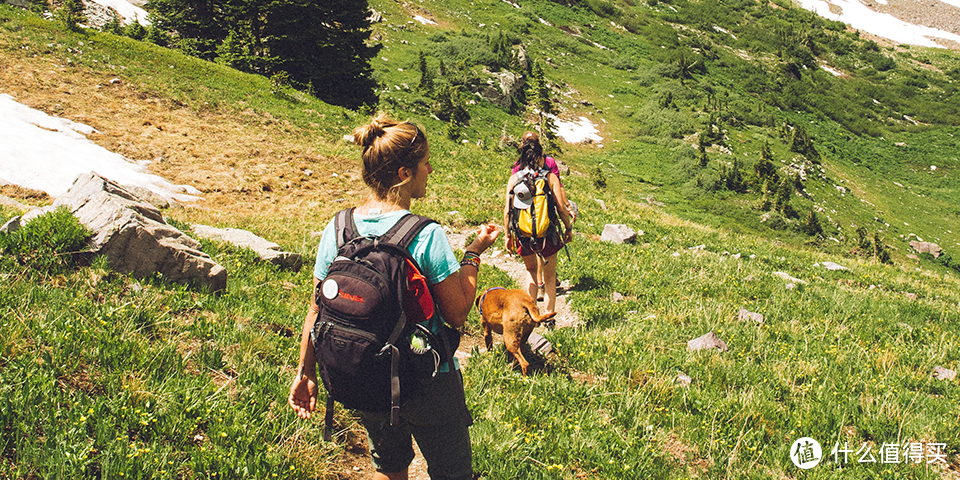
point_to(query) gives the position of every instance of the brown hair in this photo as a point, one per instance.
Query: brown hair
(530, 151)
(387, 146)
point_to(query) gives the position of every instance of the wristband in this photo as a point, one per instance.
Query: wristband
(471, 258)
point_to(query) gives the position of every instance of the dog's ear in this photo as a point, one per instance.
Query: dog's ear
(477, 301)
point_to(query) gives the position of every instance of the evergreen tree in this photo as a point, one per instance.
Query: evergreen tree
(426, 76)
(70, 14)
(733, 178)
(541, 102)
(764, 169)
(113, 26)
(198, 24)
(880, 252)
(244, 47)
(781, 201)
(702, 154)
(811, 225)
(323, 45)
(135, 30)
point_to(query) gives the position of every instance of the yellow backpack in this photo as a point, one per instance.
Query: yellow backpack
(533, 214)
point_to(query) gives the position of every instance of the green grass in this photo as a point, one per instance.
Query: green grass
(104, 375)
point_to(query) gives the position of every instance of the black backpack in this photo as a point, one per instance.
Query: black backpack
(372, 340)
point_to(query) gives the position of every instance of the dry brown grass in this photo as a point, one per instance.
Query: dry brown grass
(244, 163)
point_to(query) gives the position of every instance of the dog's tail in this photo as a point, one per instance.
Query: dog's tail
(542, 319)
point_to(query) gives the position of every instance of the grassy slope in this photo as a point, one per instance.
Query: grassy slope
(129, 376)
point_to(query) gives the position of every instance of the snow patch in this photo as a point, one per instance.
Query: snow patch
(128, 12)
(577, 131)
(861, 17)
(424, 20)
(48, 153)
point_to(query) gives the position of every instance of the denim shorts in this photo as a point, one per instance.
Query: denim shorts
(437, 417)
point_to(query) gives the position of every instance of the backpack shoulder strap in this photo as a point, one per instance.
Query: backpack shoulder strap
(405, 230)
(344, 226)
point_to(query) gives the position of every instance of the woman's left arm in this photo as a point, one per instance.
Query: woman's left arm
(565, 216)
(454, 294)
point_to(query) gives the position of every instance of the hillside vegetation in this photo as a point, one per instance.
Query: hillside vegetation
(726, 143)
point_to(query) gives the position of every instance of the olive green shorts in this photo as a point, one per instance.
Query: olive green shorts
(437, 417)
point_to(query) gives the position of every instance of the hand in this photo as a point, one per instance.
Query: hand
(486, 236)
(510, 244)
(303, 395)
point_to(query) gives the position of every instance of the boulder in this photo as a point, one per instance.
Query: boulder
(265, 249)
(745, 314)
(789, 278)
(941, 373)
(833, 266)
(134, 237)
(500, 88)
(617, 233)
(707, 341)
(927, 247)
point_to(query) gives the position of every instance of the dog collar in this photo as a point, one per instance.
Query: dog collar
(484, 296)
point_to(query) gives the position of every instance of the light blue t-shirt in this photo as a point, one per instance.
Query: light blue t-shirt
(431, 250)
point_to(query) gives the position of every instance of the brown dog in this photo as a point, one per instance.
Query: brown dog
(513, 314)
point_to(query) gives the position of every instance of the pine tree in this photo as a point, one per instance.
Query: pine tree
(764, 169)
(733, 178)
(70, 14)
(323, 45)
(426, 76)
(541, 102)
(811, 225)
(197, 23)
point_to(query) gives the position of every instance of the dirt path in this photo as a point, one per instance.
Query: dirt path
(514, 267)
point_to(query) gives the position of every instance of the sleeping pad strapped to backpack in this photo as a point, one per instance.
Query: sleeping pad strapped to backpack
(372, 338)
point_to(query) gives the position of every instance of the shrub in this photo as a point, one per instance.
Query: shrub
(599, 180)
(47, 244)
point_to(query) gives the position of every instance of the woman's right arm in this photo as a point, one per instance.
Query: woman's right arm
(303, 392)
(506, 214)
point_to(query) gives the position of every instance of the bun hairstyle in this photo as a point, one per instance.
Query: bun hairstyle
(530, 151)
(387, 146)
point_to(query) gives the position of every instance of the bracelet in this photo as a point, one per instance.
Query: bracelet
(471, 258)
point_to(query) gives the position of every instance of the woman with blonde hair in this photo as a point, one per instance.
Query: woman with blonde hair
(396, 166)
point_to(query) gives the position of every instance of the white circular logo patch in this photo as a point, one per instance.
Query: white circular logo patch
(806, 453)
(330, 289)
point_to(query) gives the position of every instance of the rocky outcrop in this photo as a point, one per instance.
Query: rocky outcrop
(617, 233)
(500, 88)
(265, 249)
(706, 342)
(927, 247)
(135, 238)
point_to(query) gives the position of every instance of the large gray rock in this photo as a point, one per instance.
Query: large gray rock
(265, 249)
(941, 373)
(135, 238)
(707, 341)
(500, 88)
(618, 234)
(927, 247)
